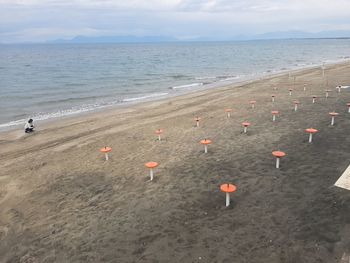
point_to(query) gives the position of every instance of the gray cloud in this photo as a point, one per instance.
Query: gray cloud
(40, 20)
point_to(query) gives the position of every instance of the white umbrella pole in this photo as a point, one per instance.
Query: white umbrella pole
(151, 174)
(227, 199)
(277, 162)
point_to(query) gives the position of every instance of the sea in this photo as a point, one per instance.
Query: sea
(48, 81)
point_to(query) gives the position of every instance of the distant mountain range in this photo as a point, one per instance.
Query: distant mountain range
(294, 34)
(116, 39)
(301, 34)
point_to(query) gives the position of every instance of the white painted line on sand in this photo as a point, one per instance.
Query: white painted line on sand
(344, 179)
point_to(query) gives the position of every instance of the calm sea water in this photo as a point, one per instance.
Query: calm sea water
(50, 81)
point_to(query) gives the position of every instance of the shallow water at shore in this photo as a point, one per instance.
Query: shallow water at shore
(50, 81)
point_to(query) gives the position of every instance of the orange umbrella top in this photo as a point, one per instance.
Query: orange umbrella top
(296, 102)
(334, 113)
(275, 112)
(105, 149)
(311, 130)
(246, 124)
(228, 110)
(159, 131)
(252, 101)
(228, 188)
(278, 154)
(151, 164)
(205, 141)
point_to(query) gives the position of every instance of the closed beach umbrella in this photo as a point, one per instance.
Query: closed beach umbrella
(197, 119)
(252, 102)
(274, 114)
(296, 103)
(333, 114)
(245, 126)
(228, 112)
(227, 189)
(278, 155)
(151, 166)
(205, 142)
(106, 150)
(159, 133)
(311, 131)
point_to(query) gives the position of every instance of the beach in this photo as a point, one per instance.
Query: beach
(86, 78)
(60, 201)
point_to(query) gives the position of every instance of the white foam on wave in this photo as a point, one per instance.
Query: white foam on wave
(145, 97)
(204, 78)
(46, 116)
(12, 123)
(230, 78)
(188, 85)
(76, 110)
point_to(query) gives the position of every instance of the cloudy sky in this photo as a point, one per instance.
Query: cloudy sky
(41, 20)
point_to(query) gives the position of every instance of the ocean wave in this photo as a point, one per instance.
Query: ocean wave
(188, 85)
(230, 78)
(178, 76)
(68, 100)
(204, 78)
(77, 110)
(74, 84)
(46, 116)
(145, 97)
(13, 123)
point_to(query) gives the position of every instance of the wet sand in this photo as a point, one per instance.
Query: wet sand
(60, 201)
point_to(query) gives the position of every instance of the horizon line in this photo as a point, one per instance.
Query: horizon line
(71, 41)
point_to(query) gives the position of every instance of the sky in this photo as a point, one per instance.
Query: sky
(45, 20)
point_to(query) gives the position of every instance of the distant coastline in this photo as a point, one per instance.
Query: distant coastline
(278, 35)
(130, 40)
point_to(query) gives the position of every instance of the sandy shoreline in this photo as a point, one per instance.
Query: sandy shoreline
(8, 131)
(61, 202)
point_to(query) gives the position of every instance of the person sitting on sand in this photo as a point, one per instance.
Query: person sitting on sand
(29, 127)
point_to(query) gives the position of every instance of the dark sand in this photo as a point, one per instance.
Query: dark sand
(61, 202)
